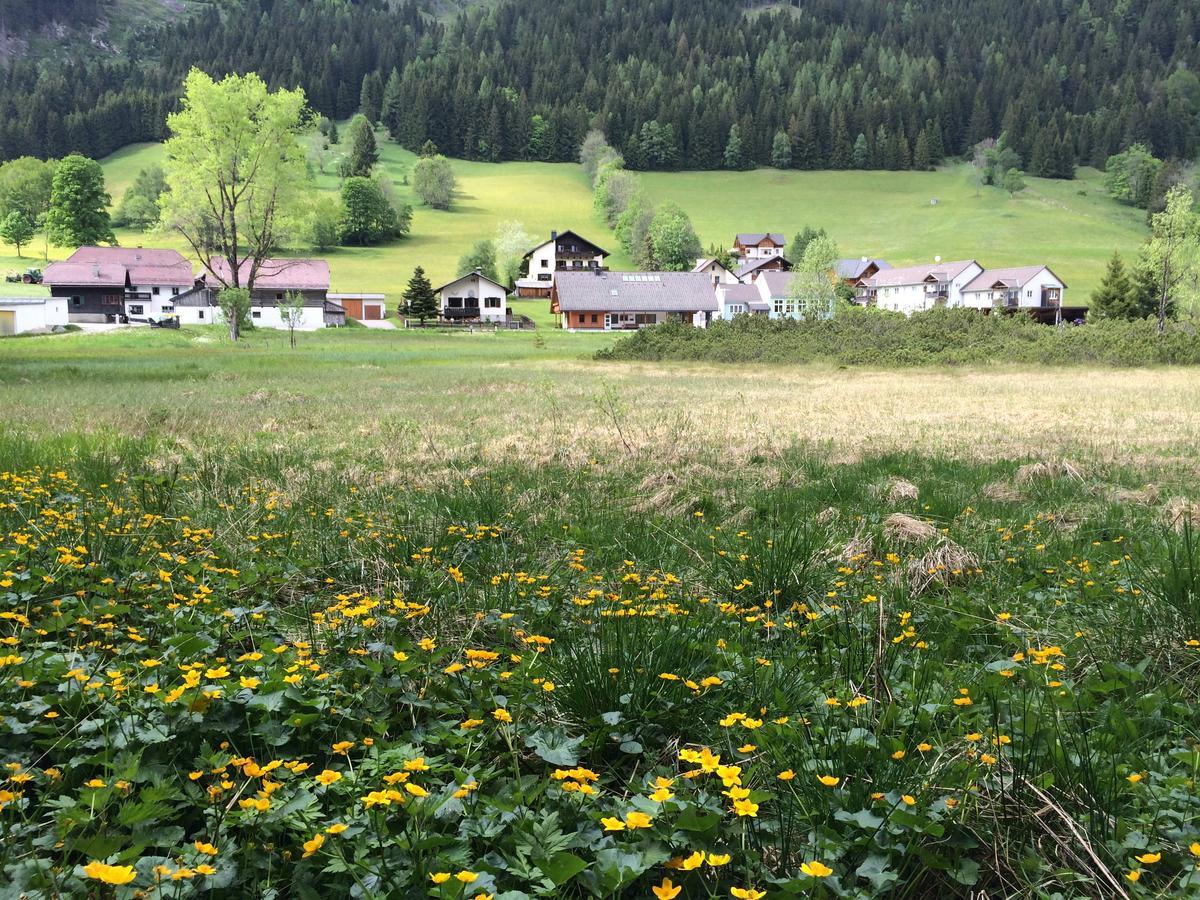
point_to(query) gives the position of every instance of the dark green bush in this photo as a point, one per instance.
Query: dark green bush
(862, 337)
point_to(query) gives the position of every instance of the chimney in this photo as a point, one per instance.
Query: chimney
(864, 259)
(95, 270)
(554, 235)
(137, 257)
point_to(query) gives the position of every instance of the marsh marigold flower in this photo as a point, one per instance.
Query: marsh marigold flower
(328, 777)
(666, 890)
(109, 874)
(816, 869)
(747, 893)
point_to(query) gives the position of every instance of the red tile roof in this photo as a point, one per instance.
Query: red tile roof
(110, 266)
(280, 274)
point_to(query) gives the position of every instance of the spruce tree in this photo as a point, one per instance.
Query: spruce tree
(420, 302)
(922, 161)
(781, 151)
(1114, 298)
(862, 152)
(370, 97)
(734, 157)
(364, 152)
(392, 105)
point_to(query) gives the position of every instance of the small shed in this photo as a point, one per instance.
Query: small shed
(19, 315)
(370, 307)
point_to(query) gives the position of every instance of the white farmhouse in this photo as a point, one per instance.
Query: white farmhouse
(1034, 287)
(21, 315)
(916, 288)
(473, 298)
(109, 284)
(564, 252)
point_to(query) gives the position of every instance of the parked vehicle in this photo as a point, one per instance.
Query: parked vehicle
(29, 276)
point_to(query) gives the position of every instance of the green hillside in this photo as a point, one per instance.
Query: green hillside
(1073, 226)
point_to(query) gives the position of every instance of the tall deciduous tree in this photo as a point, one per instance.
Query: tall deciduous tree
(1173, 253)
(674, 246)
(16, 229)
(434, 182)
(420, 302)
(235, 174)
(79, 204)
(814, 280)
(512, 241)
(481, 257)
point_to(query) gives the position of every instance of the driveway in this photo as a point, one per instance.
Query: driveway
(385, 324)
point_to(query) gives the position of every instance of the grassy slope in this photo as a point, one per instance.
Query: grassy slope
(1073, 226)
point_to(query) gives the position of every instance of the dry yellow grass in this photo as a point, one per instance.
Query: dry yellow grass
(393, 399)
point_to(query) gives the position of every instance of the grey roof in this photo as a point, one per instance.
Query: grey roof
(941, 271)
(741, 293)
(465, 276)
(748, 238)
(853, 268)
(779, 284)
(634, 291)
(752, 265)
(1013, 277)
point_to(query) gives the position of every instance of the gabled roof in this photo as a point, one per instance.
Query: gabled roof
(941, 271)
(1015, 277)
(117, 266)
(740, 293)
(779, 284)
(750, 238)
(279, 274)
(703, 265)
(600, 251)
(478, 275)
(596, 291)
(753, 265)
(853, 269)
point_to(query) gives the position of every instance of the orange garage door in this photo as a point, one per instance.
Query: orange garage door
(353, 308)
(372, 311)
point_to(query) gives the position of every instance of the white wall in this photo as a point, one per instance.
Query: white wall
(911, 298)
(36, 316)
(541, 263)
(156, 307)
(1030, 293)
(313, 317)
(480, 289)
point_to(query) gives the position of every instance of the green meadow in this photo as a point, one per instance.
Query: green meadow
(1072, 226)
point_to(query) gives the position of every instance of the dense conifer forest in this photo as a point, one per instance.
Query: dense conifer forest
(694, 84)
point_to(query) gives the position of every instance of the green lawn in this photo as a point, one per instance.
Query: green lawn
(1072, 226)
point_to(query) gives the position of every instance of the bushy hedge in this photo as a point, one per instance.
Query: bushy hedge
(865, 337)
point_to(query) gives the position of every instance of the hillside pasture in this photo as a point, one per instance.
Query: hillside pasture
(1073, 226)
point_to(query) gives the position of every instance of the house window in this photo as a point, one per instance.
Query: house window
(1029, 293)
(279, 295)
(168, 307)
(155, 291)
(545, 263)
(200, 314)
(77, 301)
(492, 302)
(174, 292)
(544, 276)
(595, 318)
(455, 302)
(135, 309)
(256, 314)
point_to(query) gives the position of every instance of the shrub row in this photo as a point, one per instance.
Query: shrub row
(862, 337)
